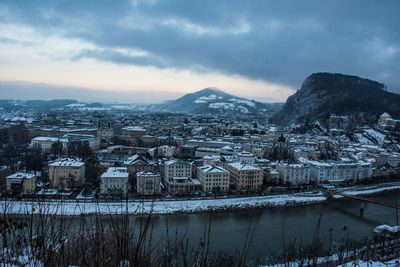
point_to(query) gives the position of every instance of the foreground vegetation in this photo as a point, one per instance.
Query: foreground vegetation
(117, 240)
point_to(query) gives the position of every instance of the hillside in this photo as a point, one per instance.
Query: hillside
(323, 94)
(215, 101)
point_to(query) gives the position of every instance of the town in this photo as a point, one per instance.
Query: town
(116, 154)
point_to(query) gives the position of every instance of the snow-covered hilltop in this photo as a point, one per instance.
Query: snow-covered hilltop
(213, 100)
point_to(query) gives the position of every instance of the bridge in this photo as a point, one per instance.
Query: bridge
(329, 192)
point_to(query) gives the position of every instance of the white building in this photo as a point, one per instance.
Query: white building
(45, 143)
(294, 173)
(246, 157)
(177, 168)
(115, 181)
(92, 140)
(320, 171)
(166, 151)
(213, 178)
(337, 171)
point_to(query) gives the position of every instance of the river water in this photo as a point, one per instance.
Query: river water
(228, 229)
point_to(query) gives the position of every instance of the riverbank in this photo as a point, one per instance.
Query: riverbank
(76, 208)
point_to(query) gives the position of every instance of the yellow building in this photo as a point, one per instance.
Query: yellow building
(21, 182)
(213, 178)
(245, 176)
(67, 173)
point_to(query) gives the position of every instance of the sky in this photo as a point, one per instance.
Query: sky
(153, 50)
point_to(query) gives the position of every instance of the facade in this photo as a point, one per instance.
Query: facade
(21, 182)
(45, 143)
(294, 173)
(321, 171)
(386, 122)
(105, 130)
(166, 151)
(213, 178)
(246, 157)
(67, 173)
(177, 168)
(138, 163)
(133, 131)
(92, 140)
(178, 177)
(245, 176)
(148, 183)
(182, 185)
(114, 181)
(337, 171)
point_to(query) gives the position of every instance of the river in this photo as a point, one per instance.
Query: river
(228, 229)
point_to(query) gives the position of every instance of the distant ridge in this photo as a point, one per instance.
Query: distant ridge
(212, 100)
(323, 94)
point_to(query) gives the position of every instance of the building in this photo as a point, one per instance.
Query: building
(246, 157)
(45, 143)
(343, 171)
(92, 140)
(21, 182)
(148, 183)
(67, 173)
(166, 151)
(178, 177)
(294, 173)
(271, 176)
(182, 185)
(320, 171)
(133, 131)
(177, 168)
(138, 163)
(386, 122)
(115, 181)
(213, 178)
(105, 130)
(245, 176)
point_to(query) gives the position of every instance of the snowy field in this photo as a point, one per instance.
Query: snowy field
(175, 206)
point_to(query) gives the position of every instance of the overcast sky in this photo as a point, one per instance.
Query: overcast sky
(162, 49)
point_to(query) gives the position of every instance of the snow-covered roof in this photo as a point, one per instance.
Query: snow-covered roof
(49, 139)
(22, 175)
(244, 166)
(176, 162)
(116, 172)
(147, 174)
(212, 169)
(68, 162)
(134, 128)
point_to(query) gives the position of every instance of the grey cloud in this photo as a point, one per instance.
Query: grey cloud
(280, 41)
(119, 58)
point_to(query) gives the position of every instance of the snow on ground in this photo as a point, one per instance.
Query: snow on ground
(157, 207)
(221, 105)
(205, 99)
(71, 207)
(363, 140)
(240, 101)
(377, 135)
(243, 109)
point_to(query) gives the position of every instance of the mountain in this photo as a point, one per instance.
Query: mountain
(324, 94)
(215, 101)
(10, 105)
